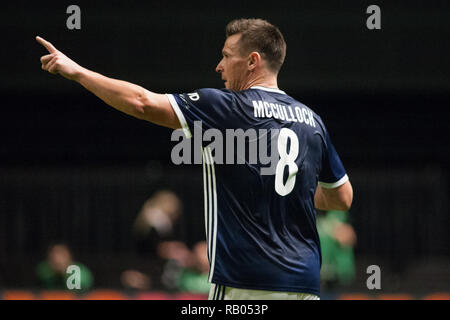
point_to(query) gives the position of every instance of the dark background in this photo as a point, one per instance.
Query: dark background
(73, 169)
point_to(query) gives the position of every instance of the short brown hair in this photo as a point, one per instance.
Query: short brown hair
(261, 36)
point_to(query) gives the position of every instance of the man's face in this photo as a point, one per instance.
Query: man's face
(233, 67)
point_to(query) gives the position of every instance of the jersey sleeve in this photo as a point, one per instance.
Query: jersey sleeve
(333, 173)
(211, 107)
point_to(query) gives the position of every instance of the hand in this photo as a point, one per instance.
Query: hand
(58, 63)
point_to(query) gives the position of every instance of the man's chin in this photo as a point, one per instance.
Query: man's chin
(229, 86)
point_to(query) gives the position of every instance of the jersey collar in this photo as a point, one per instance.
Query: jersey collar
(268, 89)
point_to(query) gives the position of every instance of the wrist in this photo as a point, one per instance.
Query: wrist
(79, 74)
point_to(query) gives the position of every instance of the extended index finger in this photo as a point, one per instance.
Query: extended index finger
(46, 44)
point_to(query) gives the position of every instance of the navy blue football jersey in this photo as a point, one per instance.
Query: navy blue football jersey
(261, 228)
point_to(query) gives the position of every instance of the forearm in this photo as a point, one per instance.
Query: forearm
(121, 95)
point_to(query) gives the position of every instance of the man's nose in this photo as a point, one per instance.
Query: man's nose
(219, 67)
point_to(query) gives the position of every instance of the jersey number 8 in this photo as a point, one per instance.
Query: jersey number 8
(286, 159)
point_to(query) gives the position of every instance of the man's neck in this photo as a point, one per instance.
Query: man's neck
(263, 80)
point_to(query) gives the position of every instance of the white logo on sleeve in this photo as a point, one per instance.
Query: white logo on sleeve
(193, 96)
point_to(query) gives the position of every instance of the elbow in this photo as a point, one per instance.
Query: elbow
(347, 199)
(341, 206)
(347, 206)
(340, 198)
(344, 206)
(139, 109)
(140, 105)
(139, 112)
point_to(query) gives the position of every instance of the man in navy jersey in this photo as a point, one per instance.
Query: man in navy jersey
(260, 228)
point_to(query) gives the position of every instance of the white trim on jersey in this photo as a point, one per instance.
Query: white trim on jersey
(210, 193)
(217, 292)
(333, 185)
(268, 89)
(180, 115)
(205, 204)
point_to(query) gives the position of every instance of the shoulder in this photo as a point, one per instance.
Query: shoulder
(210, 93)
(208, 96)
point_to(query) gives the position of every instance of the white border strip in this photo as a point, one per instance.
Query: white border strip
(180, 115)
(333, 185)
(268, 89)
(205, 196)
(210, 194)
(214, 234)
(209, 212)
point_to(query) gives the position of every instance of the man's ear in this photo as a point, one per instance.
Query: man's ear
(254, 60)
